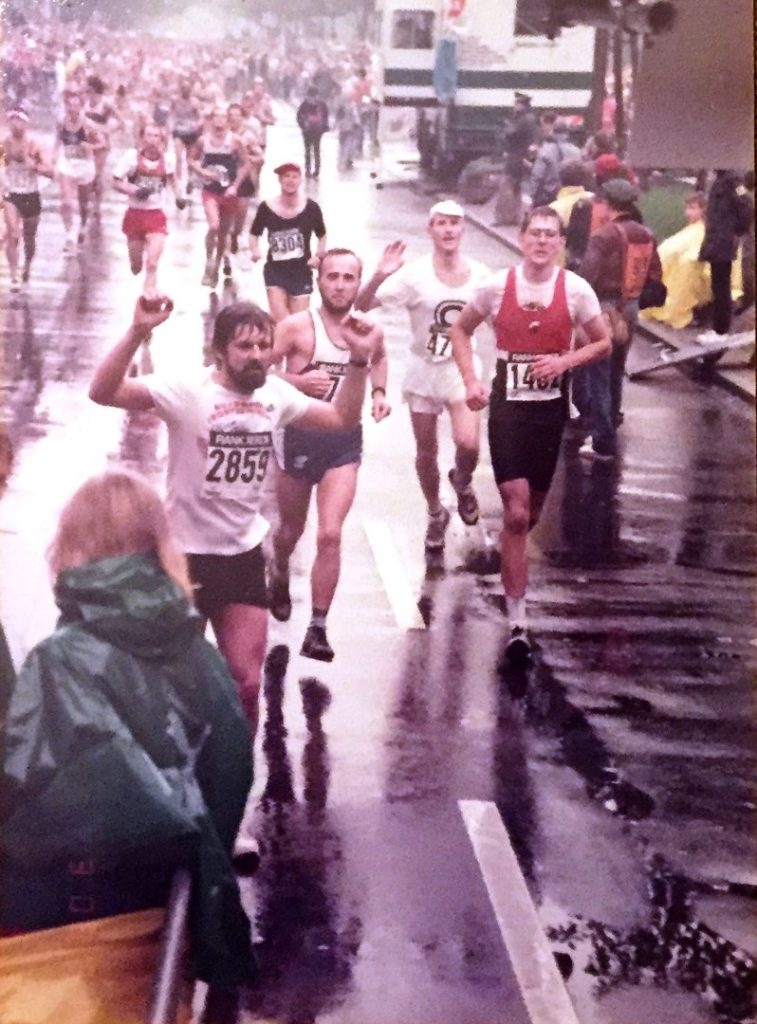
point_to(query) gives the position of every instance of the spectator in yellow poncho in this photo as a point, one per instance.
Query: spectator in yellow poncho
(686, 277)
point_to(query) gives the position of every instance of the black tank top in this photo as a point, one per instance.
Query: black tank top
(222, 155)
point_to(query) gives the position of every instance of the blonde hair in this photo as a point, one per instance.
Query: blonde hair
(116, 513)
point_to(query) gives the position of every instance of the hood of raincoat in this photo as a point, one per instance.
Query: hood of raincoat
(130, 602)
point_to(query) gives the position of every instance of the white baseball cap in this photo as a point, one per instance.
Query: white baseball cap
(446, 208)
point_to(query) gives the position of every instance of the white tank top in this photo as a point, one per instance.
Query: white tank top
(327, 356)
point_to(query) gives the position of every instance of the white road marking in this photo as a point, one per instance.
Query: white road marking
(542, 987)
(393, 576)
(642, 492)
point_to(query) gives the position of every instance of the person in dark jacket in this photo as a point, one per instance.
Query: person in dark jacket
(126, 751)
(521, 132)
(313, 121)
(620, 259)
(728, 216)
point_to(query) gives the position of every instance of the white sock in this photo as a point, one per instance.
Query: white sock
(318, 618)
(516, 611)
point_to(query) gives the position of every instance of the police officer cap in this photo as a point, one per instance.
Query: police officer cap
(619, 192)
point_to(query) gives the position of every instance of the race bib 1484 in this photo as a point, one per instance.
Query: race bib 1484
(522, 386)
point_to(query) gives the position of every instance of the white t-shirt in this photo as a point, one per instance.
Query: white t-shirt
(146, 174)
(219, 451)
(433, 306)
(583, 303)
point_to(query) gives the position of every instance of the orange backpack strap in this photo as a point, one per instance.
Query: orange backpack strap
(637, 256)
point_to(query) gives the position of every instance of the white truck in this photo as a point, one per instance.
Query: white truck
(460, 63)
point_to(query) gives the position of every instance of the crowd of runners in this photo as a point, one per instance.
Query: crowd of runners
(168, 124)
(165, 132)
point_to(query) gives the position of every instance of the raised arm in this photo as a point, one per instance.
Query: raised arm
(110, 384)
(391, 260)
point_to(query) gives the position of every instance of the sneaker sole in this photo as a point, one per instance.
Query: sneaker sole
(469, 519)
(438, 545)
(518, 652)
(317, 655)
(246, 858)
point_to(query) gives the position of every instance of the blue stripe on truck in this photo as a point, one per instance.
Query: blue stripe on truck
(524, 80)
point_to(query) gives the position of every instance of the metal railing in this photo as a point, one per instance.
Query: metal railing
(164, 1003)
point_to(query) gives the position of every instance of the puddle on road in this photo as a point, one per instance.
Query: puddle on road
(671, 949)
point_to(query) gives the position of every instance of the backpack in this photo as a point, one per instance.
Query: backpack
(314, 119)
(637, 257)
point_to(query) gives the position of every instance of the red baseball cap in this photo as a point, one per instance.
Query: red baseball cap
(283, 168)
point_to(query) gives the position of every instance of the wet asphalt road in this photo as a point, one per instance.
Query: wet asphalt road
(622, 762)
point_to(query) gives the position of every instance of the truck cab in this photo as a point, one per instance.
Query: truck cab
(460, 63)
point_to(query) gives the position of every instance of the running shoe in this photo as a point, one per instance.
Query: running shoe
(82, 236)
(437, 527)
(279, 600)
(246, 856)
(518, 648)
(712, 338)
(210, 277)
(227, 265)
(467, 504)
(181, 203)
(26, 272)
(316, 645)
(588, 451)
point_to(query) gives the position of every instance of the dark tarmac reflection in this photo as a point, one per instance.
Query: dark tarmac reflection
(548, 710)
(306, 945)
(671, 948)
(426, 717)
(590, 519)
(512, 782)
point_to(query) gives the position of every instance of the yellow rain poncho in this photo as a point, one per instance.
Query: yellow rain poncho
(686, 277)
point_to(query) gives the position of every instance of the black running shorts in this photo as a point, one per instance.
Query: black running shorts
(219, 580)
(524, 439)
(28, 204)
(188, 138)
(294, 276)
